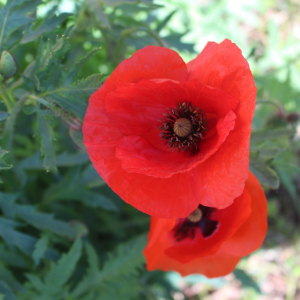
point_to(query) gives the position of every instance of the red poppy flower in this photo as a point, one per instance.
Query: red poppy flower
(152, 104)
(210, 241)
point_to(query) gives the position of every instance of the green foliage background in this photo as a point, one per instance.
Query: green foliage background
(64, 234)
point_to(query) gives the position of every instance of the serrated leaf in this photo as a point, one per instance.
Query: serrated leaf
(62, 270)
(15, 238)
(40, 249)
(48, 24)
(124, 261)
(15, 15)
(246, 280)
(46, 62)
(45, 130)
(260, 167)
(71, 188)
(75, 97)
(53, 285)
(74, 70)
(173, 40)
(41, 221)
(164, 22)
(93, 261)
(35, 281)
(64, 159)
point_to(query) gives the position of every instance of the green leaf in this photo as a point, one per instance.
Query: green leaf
(91, 178)
(260, 167)
(7, 276)
(67, 159)
(61, 271)
(246, 280)
(45, 130)
(44, 72)
(39, 249)
(14, 238)
(14, 16)
(71, 188)
(41, 221)
(74, 98)
(93, 261)
(164, 22)
(53, 285)
(173, 40)
(48, 24)
(3, 164)
(76, 67)
(77, 138)
(125, 261)
(12, 258)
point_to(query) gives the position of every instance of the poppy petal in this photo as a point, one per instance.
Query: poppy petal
(229, 219)
(139, 155)
(251, 234)
(223, 66)
(219, 264)
(170, 197)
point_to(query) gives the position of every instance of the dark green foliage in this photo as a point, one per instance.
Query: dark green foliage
(64, 234)
(53, 202)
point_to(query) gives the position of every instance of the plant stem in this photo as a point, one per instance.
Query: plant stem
(8, 100)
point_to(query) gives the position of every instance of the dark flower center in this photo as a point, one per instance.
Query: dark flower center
(199, 218)
(183, 127)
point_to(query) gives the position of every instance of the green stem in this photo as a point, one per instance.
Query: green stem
(156, 37)
(57, 110)
(9, 127)
(8, 100)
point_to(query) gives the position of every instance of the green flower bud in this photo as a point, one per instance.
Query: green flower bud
(8, 65)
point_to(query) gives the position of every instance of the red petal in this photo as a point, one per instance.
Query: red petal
(139, 155)
(230, 219)
(163, 198)
(219, 264)
(223, 176)
(150, 62)
(251, 234)
(137, 108)
(132, 109)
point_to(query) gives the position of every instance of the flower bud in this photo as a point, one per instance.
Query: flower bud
(8, 65)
